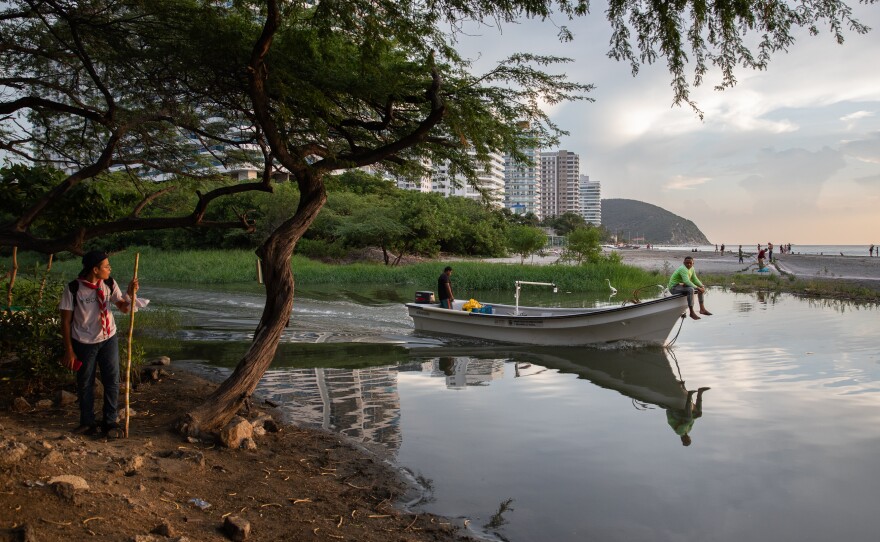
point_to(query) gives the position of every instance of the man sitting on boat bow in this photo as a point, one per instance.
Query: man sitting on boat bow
(685, 281)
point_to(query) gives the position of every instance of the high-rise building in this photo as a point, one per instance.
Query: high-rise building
(490, 179)
(560, 190)
(591, 200)
(420, 184)
(522, 184)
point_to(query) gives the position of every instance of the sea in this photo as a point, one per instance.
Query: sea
(834, 250)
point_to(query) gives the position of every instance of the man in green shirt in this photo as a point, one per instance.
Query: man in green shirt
(685, 281)
(682, 421)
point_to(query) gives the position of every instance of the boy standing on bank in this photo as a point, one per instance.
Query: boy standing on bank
(90, 340)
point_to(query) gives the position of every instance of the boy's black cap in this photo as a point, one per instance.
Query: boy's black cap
(93, 259)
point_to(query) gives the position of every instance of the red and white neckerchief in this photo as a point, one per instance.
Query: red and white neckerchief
(102, 303)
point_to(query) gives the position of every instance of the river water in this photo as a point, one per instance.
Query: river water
(573, 444)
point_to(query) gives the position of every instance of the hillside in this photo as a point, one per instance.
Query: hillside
(631, 218)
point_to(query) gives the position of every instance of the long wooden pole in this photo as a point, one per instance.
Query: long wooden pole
(12, 278)
(45, 276)
(137, 258)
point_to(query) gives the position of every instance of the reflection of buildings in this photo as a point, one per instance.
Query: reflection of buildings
(362, 404)
(465, 371)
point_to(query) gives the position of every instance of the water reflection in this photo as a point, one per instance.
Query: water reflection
(583, 444)
(644, 375)
(364, 403)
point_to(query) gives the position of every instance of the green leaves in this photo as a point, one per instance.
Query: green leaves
(525, 240)
(584, 245)
(182, 87)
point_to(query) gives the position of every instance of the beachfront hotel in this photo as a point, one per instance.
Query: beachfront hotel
(560, 176)
(522, 184)
(490, 179)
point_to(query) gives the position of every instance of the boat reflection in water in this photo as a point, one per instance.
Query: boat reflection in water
(648, 376)
(364, 403)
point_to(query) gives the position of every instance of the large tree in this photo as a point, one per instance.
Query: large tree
(305, 89)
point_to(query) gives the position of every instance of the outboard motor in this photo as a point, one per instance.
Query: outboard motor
(425, 297)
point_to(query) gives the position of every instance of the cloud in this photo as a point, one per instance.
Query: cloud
(792, 171)
(856, 116)
(680, 182)
(851, 120)
(864, 150)
(872, 181)
(790, 152)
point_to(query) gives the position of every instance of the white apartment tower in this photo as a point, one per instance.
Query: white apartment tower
(490, 178)
(420, 184)
(560, 191)
(591, 200)
(522, 184)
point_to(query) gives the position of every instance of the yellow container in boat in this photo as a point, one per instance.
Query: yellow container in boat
(471, 305)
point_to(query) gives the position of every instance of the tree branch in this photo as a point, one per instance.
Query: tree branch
(34, 102)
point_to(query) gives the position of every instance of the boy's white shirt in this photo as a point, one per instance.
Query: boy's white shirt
(85, 326)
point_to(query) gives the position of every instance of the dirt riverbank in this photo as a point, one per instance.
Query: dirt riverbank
(297, 484)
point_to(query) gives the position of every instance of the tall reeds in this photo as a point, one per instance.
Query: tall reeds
(237, 266)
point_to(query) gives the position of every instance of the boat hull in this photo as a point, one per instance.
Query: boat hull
(650, 322)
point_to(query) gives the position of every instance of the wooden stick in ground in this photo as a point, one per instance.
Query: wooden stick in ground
(137, 258)
(12, 278)
(43, 282)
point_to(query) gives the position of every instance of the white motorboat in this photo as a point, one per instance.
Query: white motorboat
(648, 322)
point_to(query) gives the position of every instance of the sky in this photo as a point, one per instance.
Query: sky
(789, 155)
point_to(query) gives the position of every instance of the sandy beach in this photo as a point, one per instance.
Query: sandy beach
(862, 269)
(855, 268)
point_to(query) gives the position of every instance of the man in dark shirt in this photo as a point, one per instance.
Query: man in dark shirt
(444, 289)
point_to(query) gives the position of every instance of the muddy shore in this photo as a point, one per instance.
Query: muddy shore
(155, 486)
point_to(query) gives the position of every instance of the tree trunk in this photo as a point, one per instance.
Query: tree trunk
(222, 405)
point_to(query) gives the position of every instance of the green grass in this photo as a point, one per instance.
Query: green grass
(239, 266)
(218, 267)
(815, 287)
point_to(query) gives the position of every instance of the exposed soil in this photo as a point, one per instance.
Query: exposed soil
(298, 484)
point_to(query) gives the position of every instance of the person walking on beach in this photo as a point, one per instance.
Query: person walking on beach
(770, 252)
(444, 289)
(871, 251)
(740, 254)
(684, 281)
(722, 248)
(90, 340)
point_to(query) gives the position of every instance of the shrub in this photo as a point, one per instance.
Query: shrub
(30, 331)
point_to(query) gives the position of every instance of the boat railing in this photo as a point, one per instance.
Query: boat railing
(520, 283)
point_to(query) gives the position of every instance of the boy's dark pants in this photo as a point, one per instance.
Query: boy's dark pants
(105, 356)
